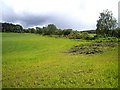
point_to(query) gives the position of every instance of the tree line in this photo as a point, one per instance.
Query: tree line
(51, 29)
(106, 26)
(9, 27)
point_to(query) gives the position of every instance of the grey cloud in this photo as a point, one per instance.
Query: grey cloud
(119, 14)
(61, 20)
(32, 20)
(27, 19)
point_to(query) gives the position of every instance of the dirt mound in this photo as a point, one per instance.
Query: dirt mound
(91, 48)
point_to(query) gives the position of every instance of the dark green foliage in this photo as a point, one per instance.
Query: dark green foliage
(91, 38)
(106, 23)
(78, 35)
(106, 39)
(9, 27)
(31, 30)
(26, 31)
(67, 31)
(74, 35)
(39, 30)
(89, 31)
(59, 32)
(85, 35)
(45, 31)
(116, 33)
(49, 30)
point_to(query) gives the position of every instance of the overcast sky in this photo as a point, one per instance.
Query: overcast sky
(75, 14)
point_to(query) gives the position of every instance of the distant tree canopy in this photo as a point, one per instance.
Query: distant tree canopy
(90, 31)
(49, 30)
(9, 27)
(116, 33)
(106, 26)
(106, 23)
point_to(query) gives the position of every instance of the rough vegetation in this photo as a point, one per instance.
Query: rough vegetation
(91, 48)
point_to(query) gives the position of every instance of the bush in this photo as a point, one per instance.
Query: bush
(67, 31)
(78, 35)
(85, 35)
(59, 32)
(74, 35)
(116, 33)
(90, 38)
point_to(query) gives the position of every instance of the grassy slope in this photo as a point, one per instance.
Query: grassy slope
(0, 60)
(35, 61)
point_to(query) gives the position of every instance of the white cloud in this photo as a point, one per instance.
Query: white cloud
(76, 14)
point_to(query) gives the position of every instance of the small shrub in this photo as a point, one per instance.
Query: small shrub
(74, 35)
(85, 35)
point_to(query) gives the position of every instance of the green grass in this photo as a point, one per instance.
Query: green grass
(92, 35)
(36, 61)
(0, 60)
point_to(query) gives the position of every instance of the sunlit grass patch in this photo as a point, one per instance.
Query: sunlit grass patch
(38, 61)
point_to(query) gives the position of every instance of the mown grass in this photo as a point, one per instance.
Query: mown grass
(36, 61)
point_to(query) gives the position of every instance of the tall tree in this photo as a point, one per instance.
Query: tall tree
(51, 28)
(106, 23)
(39, 30)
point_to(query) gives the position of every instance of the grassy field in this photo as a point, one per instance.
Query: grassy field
(0, 60)
(36, 61)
